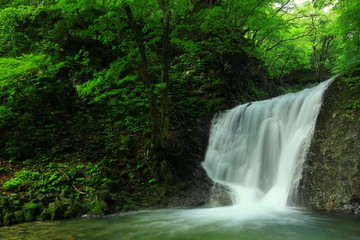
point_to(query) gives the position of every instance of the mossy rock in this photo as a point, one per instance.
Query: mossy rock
(98, 207)
(3, 202)
(31, 211)
(57, 210)
(115, 185)
(45, 214)
(73, 210)
(106, 196)
(98, 201)
(15, 202)
(9, 218)
(45, 199)
(19, 216)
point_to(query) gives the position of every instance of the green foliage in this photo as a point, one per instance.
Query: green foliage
(346, 26)
(13, 42)
(13, 68)
(73, 102)
(351, 98)
(27, 84)
(22, 180)
(5, 114)
(106, 82)
(152, 180)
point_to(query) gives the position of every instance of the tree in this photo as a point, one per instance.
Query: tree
(347, 30)
(160, 124)
(144, 75)
(165, 80)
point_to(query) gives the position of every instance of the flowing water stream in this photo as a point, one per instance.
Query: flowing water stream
(222, 223)
(257, 151)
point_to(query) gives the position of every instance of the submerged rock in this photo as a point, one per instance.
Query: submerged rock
(331, 172)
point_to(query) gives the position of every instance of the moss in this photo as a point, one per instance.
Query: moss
(57, 210)
(9, 218)
(16, 202)
(19, 216)
(73, 210)
(98, 207)
(31, 210)
(3, 201)
(45, 199)
(21, 181)
(45, 214)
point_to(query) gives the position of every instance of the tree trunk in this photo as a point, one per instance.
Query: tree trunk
(144, 75)
(165, 58)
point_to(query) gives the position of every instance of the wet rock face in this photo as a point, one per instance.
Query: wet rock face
(331, 172)
(193, 186)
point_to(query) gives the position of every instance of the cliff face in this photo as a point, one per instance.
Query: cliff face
(331, 172)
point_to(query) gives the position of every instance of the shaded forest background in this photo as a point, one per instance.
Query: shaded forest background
(101, 100)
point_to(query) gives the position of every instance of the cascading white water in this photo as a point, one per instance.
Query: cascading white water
(258, 149)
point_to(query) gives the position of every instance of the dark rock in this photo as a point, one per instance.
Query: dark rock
(45, 214)
(96, 202)
(194, 187)
(73, 210)
(31, 211)
(3, 202)
(98, 207)
(19, 216)
(9, 218)
(57, 210)
(331, 172)
(220, 196)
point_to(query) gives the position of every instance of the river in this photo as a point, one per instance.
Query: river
(221, 223)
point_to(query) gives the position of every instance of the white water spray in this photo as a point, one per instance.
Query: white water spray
(258, 149)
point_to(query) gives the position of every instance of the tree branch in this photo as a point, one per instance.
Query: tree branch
(251, 12)
(282, 6)
(285, 40)
(72, 184)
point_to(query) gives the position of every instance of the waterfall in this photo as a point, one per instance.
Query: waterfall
(257, 150)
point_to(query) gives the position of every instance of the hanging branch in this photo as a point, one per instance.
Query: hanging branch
(283, 68)
(251, 12)
(72, 184)
(282, 6)
(257, 30)
(276, 27)
(285, 40)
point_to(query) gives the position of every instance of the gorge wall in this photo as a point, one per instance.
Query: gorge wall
(331, 172)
